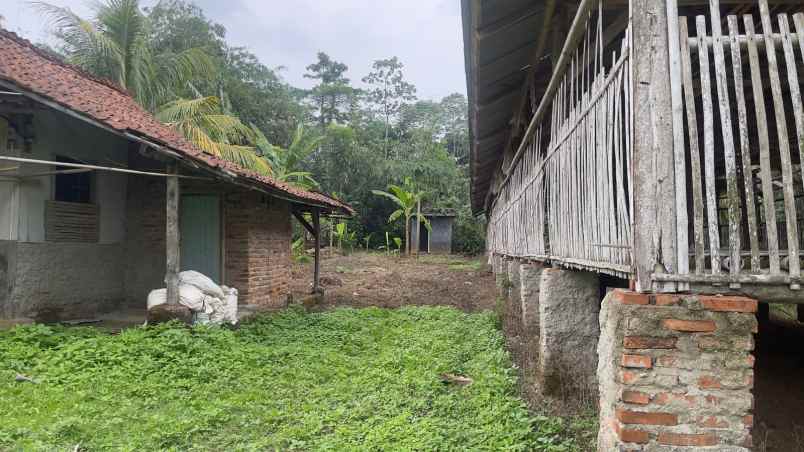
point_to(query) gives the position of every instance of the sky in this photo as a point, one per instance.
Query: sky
(425, 35)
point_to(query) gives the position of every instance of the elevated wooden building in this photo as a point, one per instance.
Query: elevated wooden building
(659, 145)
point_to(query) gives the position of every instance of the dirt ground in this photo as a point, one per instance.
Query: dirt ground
(373, 279)
(779, 386)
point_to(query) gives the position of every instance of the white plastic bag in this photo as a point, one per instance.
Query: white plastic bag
(202, 283)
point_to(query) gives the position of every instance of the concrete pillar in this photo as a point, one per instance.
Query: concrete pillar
(530, 276)
(500, 275)
(568, 321)
(514, 284)
(675, 372)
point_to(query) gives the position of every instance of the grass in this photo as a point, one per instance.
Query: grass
(341, 380)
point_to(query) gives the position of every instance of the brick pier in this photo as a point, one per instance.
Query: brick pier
(675, 372)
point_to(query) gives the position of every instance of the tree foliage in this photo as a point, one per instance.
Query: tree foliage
(336, 137)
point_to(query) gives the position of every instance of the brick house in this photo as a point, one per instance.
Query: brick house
(101, 203)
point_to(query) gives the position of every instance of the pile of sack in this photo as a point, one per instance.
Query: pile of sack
(209, 302)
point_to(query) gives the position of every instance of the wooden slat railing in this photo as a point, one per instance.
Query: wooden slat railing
(741, 89)
(567, 195)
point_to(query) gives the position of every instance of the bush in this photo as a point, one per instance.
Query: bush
(469, 233)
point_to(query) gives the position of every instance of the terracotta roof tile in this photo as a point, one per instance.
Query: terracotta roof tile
(33, 70)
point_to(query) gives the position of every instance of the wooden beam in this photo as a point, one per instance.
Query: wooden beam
(172, 235)
(654, 219)
(303, 221)
(317, 261)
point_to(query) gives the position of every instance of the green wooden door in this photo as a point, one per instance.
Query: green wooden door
(201, 235)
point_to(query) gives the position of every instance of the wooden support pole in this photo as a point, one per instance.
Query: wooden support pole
(418, 227)
(654, 219)
(172, 239)
(317, 264)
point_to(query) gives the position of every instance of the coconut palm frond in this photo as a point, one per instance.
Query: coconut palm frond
(245, 157)
(86, 45)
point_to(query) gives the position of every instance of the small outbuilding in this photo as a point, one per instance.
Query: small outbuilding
(100, 203)
(438, 239)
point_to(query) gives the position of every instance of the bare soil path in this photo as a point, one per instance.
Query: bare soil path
(373, 279)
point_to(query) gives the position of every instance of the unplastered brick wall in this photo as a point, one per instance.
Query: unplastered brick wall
(676, 372)
(258, 255)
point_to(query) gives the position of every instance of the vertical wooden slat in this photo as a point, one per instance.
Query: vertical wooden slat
(795, 91)
(709, 145)
(695, 155)
(764, 146)
(732, 192)
(679, 154)
(745, 147)
(172, 236)
(784, 144)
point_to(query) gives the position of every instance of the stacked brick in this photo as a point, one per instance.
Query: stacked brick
(675, 372)
(258, 255)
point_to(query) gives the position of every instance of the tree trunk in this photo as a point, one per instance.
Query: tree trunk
(407, 235)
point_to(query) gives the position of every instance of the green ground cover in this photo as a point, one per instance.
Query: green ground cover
(341, 380)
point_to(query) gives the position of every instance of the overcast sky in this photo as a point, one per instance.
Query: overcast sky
(424, 34)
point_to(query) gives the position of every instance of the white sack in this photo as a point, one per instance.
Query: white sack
(230, 305)
(157, 297)
(202, 283)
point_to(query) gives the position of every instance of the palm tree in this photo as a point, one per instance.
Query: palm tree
(407, 198)
(213, 129)
(115, 45)
(286, 162)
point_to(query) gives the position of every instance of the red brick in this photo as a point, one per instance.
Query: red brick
(748, 420)
(630, 298)
(681, 439)
(629, 377)
(690, 326)
(645, 418)
(667, 300)
(712, 422)
(665, 398)
(709, 382)
(636, 361)
(635, 397)
(633, 436)
(729, 304)
(649, 342)
(666, 361)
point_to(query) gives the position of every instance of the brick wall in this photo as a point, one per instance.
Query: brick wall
(145, 238)
(258, 256)
(676, 372)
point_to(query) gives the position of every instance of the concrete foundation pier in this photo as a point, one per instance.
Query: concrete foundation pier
(569, 305)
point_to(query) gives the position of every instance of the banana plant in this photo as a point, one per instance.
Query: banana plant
(407, 198)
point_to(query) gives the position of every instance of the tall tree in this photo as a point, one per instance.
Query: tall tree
(332, 96)
(388, 91)
(115, 44)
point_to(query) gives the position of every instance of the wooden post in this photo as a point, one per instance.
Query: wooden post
(418, 227)
(654, 217)
(172, 236)
(317, 264)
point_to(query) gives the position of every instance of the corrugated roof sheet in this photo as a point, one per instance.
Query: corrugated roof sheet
(33, 70)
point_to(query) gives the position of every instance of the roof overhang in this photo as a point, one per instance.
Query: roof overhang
(503, 42)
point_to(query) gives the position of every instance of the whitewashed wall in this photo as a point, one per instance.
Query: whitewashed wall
(59, 135)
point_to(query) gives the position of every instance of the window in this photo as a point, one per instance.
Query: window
(76, 188)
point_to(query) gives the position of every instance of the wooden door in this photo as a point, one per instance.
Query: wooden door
(201, 235)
